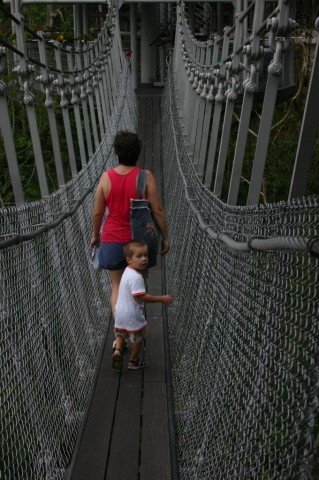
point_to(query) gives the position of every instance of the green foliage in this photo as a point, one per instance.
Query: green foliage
(24, 148)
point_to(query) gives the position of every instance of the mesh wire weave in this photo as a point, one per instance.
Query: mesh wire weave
(243, 330)
(54, 317)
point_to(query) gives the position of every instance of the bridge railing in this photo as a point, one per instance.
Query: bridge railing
(243, 331)
(219, 83)
(68, 93)
(54, 307)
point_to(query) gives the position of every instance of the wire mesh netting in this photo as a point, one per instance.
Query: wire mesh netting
(243, 330)
(54, 316)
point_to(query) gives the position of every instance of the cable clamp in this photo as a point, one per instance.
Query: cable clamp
(313, 246)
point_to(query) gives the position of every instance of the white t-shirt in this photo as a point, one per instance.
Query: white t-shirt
(129, 310)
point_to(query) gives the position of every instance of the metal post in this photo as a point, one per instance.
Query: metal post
(83, 96)
(308, 134)
(89, 92)
(233, 69)
(95, 85)
(100, 87)
(77, 20)
(219, 100)
(85, 19)
(6, 130)
(149, 33)
(25, 74)
(269, 104)
(252, 57)
(191, 14)
(76, 107)
(220, 21)
(46, 82)
(65, 111)
(208, 111)
(133, 28)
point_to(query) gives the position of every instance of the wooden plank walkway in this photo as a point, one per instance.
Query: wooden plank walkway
(127, 434)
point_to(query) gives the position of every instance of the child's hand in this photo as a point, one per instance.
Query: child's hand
(167, 299)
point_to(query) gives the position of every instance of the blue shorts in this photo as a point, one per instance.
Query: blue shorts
(111, 256)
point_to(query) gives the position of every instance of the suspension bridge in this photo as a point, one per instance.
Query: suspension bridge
(231, 388)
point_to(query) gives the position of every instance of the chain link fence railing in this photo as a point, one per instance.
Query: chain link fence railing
(243, 331)
(54, 316)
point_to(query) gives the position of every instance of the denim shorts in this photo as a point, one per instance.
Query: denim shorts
(111, 256)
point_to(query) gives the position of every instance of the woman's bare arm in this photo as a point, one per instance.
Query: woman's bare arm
(102, 191)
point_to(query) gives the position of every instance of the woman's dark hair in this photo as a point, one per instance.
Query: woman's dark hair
(127, 146)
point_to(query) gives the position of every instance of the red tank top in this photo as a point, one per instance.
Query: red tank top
(117, 227)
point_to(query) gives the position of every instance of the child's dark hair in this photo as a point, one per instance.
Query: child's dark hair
(129, 247)
(127, 146)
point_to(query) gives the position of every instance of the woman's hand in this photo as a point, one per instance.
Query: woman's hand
(164, 247)
(99, 209)
(95, 242)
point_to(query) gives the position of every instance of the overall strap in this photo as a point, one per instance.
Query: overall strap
(141, 183)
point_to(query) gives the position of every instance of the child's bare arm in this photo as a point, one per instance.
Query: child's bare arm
(147, 298)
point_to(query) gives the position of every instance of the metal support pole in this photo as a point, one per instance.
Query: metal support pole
(89, 92)
(83, 96)
(76, 108)
(98, 100)
(149, 33)
(25, 73)
(85, 19)
(308, 134)
(191, 18)
(77, 20)
(133, 28)
(65, 111)
(46, 82)
(6, 130)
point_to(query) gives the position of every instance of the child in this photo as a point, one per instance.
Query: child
(129, 310)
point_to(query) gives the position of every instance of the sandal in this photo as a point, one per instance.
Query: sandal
(136, 364)
(117, 359)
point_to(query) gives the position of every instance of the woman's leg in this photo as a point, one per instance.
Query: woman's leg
(116, 276)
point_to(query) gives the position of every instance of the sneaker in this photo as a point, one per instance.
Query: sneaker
(136, 364)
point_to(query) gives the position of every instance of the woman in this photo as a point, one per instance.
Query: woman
(114, 191)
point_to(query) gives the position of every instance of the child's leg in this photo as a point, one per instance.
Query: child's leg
(137, 340)
(117, 357)
(119, 343)
(136, 348)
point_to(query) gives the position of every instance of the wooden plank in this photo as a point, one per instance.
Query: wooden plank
(106, 371)
(154, 278)
(92, 455)
(123, 460)
(154, 310)
(154, 351)
(155, 455)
